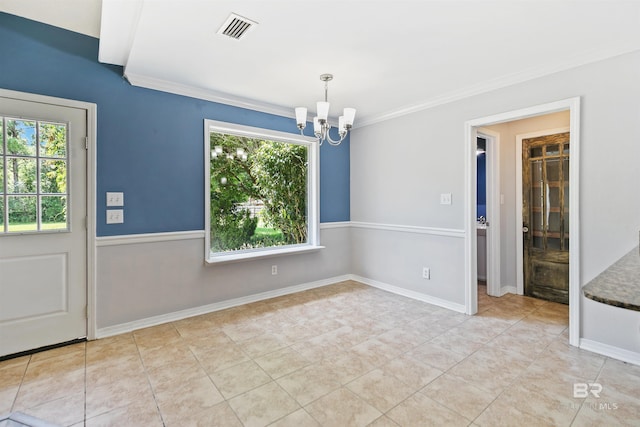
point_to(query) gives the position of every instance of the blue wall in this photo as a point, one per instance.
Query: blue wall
(481, 194)
(150, 143)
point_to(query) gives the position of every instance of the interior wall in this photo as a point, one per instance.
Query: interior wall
(400, 167)
(508, 133)
(150, 145)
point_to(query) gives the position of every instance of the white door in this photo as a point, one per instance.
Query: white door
(43, 236)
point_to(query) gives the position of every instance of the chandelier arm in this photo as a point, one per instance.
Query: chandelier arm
(335, 141)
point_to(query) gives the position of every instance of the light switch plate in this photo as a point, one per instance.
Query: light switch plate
(445, 198)
(115, 199)
(115, 216)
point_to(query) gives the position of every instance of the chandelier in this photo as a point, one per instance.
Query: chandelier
(321, 124)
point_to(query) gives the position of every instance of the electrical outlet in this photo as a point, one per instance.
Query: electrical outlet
(445, 198)
(115, 199)
(274, 270)
(426, 273)
(115, 216)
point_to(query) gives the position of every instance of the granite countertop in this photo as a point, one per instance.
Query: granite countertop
(618, 285)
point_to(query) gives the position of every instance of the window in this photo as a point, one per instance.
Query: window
(33, 176)
(261, 192)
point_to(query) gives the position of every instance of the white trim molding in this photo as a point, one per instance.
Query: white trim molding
(208, 95)
(610, 351)
(501, 82)
(447, 232)
(329, 225)
(209, 308)
(493, 192)
(132, 239)
(409, 294)
(154, 83)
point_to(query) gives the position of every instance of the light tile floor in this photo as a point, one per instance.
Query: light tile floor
(341, 355)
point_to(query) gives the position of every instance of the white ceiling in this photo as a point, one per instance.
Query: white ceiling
(389, 57)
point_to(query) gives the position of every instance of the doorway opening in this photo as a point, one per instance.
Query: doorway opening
(479, 127)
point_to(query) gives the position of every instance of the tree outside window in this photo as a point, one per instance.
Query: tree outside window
(259, 193)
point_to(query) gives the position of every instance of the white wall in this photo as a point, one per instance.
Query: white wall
(399, 168)
(508, 132)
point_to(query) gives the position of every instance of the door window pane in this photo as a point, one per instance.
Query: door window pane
(537, 225)
(53, 176)
(53, 140)
(538, 242)
(554, 198)
(553, 150)
(553, 243)
(23, 213)
(21, 175)
(54, 212)
(536, 152)
(21, 137)
(553, 170)
(554, 222)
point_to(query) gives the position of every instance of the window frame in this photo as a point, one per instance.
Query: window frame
(313, 193)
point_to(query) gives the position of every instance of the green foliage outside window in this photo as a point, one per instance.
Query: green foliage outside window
(258, 193)
(23, 185)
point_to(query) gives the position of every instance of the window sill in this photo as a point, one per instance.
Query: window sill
(252, 255)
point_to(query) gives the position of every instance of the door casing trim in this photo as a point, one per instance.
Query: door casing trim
(493, 210)
(471, 273)
(92, 120)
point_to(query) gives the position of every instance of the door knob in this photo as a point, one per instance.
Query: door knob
(525, 229)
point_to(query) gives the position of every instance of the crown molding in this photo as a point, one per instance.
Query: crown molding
(207, 94)
(501, 82)
(498, 83)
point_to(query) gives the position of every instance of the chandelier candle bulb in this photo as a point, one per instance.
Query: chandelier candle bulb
(317, 129)
(349, 116)
(301, 117)
(323, 111)
(341, 125)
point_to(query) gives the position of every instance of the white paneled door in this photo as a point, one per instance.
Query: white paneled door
(43, 236)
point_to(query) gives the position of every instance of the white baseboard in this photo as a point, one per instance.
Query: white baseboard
(610, 351)
(508, 290)
(410, 294)
(209, 308)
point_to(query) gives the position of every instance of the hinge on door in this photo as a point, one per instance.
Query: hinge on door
(86, 142)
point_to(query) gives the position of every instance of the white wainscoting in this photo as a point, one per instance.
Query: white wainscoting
(209, 308)
(164, 276)
(396, 255)
(148, 279)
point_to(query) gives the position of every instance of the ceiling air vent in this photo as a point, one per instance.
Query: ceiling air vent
(236, 26)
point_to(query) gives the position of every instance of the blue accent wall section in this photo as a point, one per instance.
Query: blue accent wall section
(150, 143)
(481, 195)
